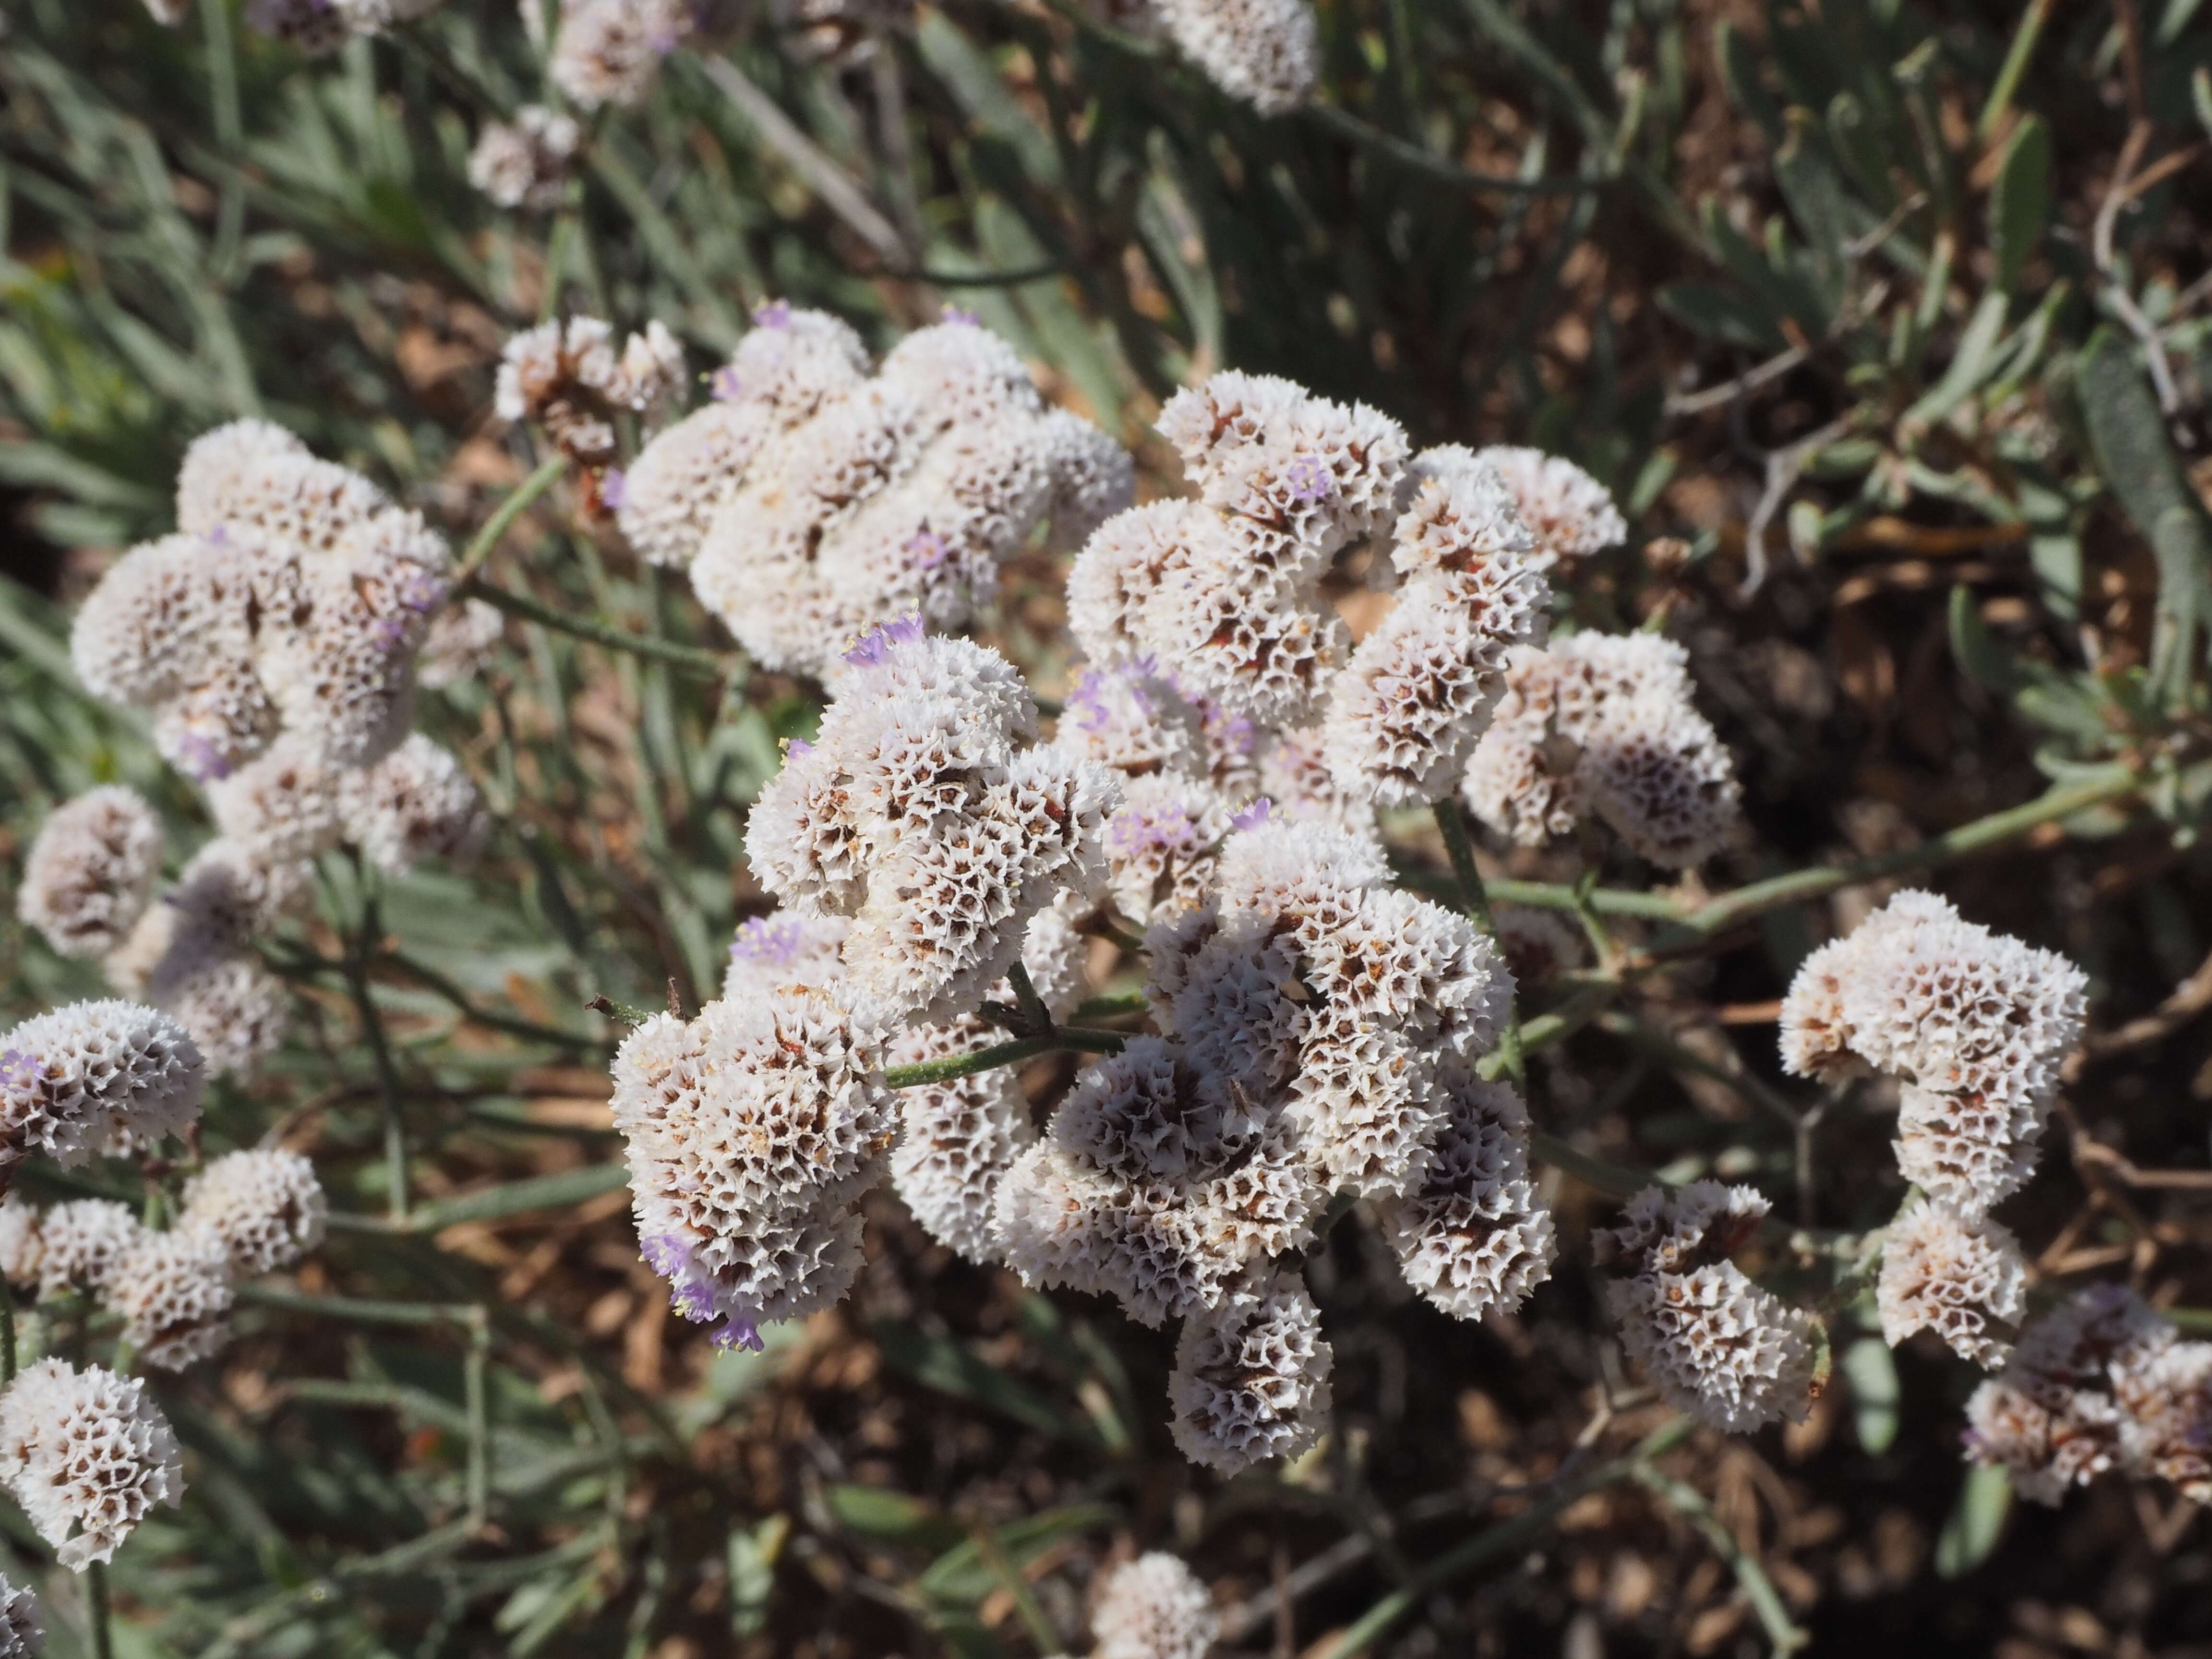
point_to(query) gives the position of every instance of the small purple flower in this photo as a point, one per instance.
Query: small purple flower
(773, 941)
(1309, 479)
(612, 487)
(874, 648)
(723, 386)
(739, 1332)
(927, 550)
(200, 760)
(1168, 828)
(220, 535)
(797, 746)
(667, 1253)
(1259, 812)
(18, 1070)
(776, 313)
(961, 315)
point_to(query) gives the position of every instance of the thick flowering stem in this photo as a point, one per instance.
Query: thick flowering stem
(7, 1332)
(1065, 1039)
(1474, 898)
(96, 1610)
(707, 664)
(496, 527)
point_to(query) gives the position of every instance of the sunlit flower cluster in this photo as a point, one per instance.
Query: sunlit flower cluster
(813, 501)
(526, 163)
(1267, 52)
(1974, 1023)
(1714, 1344)
(571, 379)
(95, 1079)
(1153, 1607)
(87, 1455)
(91, 871)
(1604, 725)
(2100, 1383)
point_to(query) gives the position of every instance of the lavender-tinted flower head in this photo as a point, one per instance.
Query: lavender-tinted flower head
(928, 549)
(1309, 479)
(961, 315)
(17, 1069)
(1254, 816)
(739, 1332)
(723, 386)
(611, 489)
(776, 313)
(873, 648)
(773, 941)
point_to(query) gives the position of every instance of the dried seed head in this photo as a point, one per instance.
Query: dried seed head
(526, 165)
(174, 1292)
(1251, 1377)
(266, 1207)
(1961, 1276)
(86, 1454)
(1154, 1607)
(90, 872)
(96, 1079)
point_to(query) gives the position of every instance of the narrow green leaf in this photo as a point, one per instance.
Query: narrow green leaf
(1976, 1522)
(2019, 202)
(1871, 1371)
(951, 1367)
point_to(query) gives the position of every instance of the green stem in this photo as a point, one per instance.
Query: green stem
(1017, 1587)
(496, 527)
(1757, 1589)
(1345, 124)
(1065, 1039)
(2015, 65)
(1962, 842)
(1616, 1179)
(388, 1075)
(96, 1607)
(1546, 1030)
(7, 1332)
(1034, 1012)
(229, 129)
(479, 1416)
(1474, 898)
(443, 988)
(708, 664)
(1497, 1543)
(1113, 1003)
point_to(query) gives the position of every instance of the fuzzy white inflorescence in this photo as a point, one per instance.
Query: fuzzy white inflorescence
(86, 1454)
(89, 873)
(79, 1242)
(1961, 1277)
(1571, 515)
(1405, 715)
(23, 1635)
(1975, 1023)
(924, 812)
(416, 804)
(526, 165)
(1154, 1607)
(751, 1131)
(1267, 52)
(172, 1290)
(1713, 1343)
(460, 643)
(1223, 594)
(1251, 1377)
(1473, 1236)
(1312, 1016)
(1604, 724)
(96, 1079)
(266, 1207)
(2101, 1383)
(812, 501)
(571, 379)
(957, 1138)
(608, 52)
(21, 1246)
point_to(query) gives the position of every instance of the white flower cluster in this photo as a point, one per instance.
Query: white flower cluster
(751, 1133)
(570, 379)
(609, 52)
(275, 638)
(1406, 712)
(22, 1634)
(924, 810)
(91, 871)
(2101, 1383)
(812, 501)
(1267, 52)
(525, 164)
(956, 1139)
(1962, 1278)
(1154, 1607)
(1977, 1025)
(1713, 1343)
(1251, 1375)
(1224, 593)
(1604, 723)
(95, 1079)
(316, 26)
(247, 1214)
(1571, 515)
(86, 1454)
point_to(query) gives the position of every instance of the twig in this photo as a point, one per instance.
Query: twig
(1495, 1543)
(2188, 999)
(388, 1075)
(1689, 1503)
(1712, 397)
(2125, 187)
(1063, 1039)
(822, 176)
